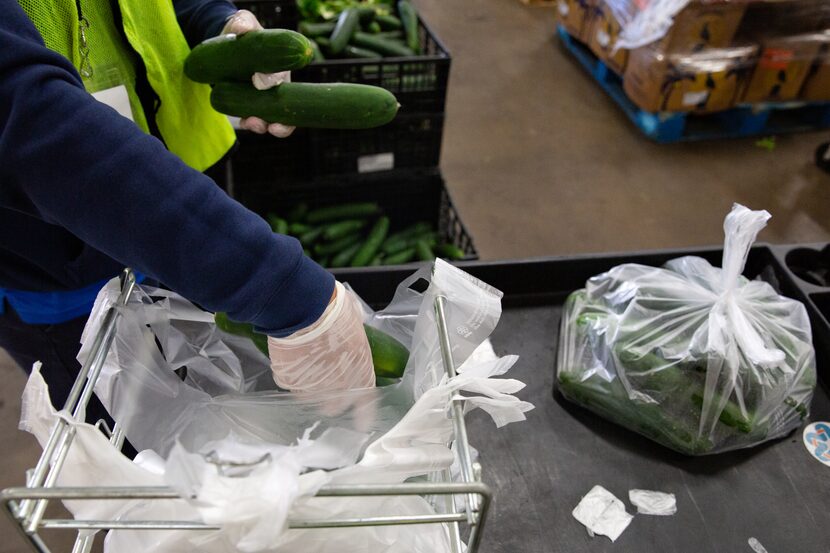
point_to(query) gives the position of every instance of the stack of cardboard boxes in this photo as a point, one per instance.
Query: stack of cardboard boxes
(717, 53)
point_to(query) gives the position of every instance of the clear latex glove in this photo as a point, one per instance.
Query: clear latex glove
(331, 354)
(240, 23)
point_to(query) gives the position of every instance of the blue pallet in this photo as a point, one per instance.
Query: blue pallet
(667, 127)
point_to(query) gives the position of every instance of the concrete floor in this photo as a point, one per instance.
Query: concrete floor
(540, 162)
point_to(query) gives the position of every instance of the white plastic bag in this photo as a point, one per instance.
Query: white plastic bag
(644, 22)
(697, 358)
(248, 458)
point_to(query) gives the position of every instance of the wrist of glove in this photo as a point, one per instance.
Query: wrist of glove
(331, 354)
(240, 23)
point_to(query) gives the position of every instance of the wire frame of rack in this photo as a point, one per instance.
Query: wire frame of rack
(27, 505)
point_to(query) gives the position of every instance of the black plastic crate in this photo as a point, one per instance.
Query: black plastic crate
(411, 141)
(407, 198)
(419, 83)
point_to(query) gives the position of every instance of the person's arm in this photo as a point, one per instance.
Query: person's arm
(75, 162)
(202, 19)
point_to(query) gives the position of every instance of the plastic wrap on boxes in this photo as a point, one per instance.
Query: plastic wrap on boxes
(704, 81)
(709, 55)
(783, 66)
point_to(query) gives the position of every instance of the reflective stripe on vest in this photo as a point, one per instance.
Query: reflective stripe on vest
(191, 129)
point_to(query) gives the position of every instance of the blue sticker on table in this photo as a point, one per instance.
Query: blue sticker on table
(817, 441)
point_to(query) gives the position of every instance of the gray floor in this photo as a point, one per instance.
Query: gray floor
(540, 162)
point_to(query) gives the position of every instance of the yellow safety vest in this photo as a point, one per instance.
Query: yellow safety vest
(187, 123)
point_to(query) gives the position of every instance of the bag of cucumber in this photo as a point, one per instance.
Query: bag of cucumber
(357, 235)
(696, 358)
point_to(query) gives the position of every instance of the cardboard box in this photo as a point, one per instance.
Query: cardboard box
(817, 83)
(705, 81)
(703, 25)
(784, 18)
(602, 32)
(783, 65)
(573, 14)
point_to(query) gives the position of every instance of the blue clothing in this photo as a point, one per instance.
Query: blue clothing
(83, 193)
(202, 19)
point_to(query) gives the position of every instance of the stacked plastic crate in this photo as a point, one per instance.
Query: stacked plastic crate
(396, 165)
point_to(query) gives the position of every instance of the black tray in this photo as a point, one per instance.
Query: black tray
(540, 468)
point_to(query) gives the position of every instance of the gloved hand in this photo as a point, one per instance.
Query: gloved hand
(331, 354)
(240, 23)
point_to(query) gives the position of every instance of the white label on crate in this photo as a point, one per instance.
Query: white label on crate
(603, 38)
(563, 8)
(695, 98)
(376, 162)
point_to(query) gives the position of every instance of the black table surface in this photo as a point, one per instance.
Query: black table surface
(539, 470)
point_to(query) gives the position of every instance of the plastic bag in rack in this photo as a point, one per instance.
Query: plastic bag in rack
(696, 358)
(247, 458)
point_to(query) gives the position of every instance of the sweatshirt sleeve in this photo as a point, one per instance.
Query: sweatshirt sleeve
(202, 19)
(74, 162)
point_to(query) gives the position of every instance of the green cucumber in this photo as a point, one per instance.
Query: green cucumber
(343, 211)
(373, 28)
(343, 258)
(311, 105)
(298, 229)
(424, 251)
(391, 35)
(378, 260)
(309, 237)
(313, 30)
(224, 324)
(383, 45)
(389, 22)
(318, 53)
(399, 258)
(389, 356)
(430, 237)
(409, 19)
(343, 228)
(400, 240)
(278, 224)
(338, 245)
(367, 15)
(347, 23)
(359, 53)
(449, 251)
(237, 57)
(372, 244)
(324, 43)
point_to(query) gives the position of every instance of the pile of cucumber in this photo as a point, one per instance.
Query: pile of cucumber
(365, 31)
(228, 62)
(357, 235)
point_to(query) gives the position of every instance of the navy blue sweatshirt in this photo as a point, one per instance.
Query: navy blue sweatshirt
(83, 193)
